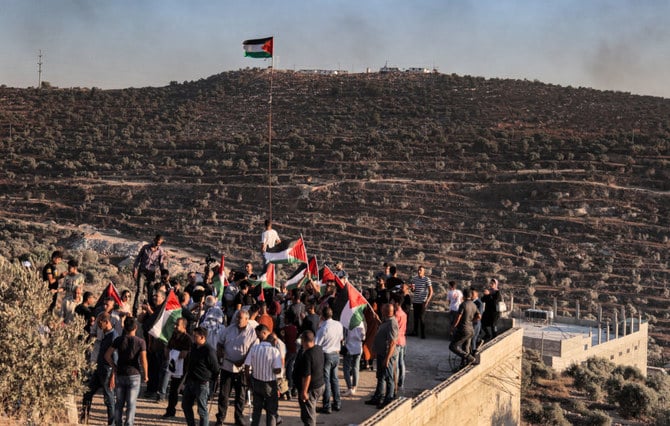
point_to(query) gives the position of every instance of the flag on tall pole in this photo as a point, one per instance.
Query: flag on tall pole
(259, 47)
(264, 48)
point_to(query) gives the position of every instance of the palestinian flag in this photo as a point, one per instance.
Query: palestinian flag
(302, 275)
(220, 282)
(349, 306)
(267, 280)
(169, 313)
(292, 251)
(328, 275)
(109, 292)
(258, 48)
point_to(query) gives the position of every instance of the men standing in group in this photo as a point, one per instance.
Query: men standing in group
(262, 365)
(103, 372)
(308, 377)
(330, 337)
(385, 348)
(423, 292)
(203, 367)
(148, 263)
(269, 237)
(463, 329)
(51, 273)
(233, 347)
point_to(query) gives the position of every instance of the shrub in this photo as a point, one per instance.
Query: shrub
(599, 418)
(553, 415)
(41, 360)
(636, 400)
(532, 411)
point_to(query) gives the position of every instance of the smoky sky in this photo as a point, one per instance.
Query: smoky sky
(615, 45)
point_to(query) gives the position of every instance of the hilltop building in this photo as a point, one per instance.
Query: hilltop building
(323, 72)
(563, 341)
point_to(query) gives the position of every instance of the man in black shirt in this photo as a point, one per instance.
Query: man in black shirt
(308, 377)
(202, 368)
(103, 372)
(51, 274)
(179, 345)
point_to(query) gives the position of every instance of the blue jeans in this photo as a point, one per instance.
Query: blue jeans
(475, 338)
(195, 392)
(352, 364)
(100, 379)
(127, 391)
(330, 363)
(385, 379)
(400, 370)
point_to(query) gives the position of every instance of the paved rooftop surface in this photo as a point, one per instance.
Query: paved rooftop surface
(557, 331)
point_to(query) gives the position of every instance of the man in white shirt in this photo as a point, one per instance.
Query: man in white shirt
(269, 237)
(330, 336)
(455, 298)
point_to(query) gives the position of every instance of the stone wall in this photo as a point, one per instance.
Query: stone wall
(484, 394)
(624, 350)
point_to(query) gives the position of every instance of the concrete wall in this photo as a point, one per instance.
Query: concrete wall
(437, 323)
(484, 394)
(625, 350)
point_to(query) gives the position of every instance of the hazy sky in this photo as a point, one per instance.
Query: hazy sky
(605, 44)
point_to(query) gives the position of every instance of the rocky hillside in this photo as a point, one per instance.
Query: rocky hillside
(556, 191)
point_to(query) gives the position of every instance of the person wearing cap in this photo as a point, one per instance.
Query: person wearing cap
(491, 315)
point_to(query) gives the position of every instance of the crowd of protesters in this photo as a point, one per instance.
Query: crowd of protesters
(263, 346)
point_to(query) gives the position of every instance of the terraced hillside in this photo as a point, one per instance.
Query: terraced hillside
(556, 191)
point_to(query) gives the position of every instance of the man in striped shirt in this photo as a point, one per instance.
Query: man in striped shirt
(423, 292)
(261, 367)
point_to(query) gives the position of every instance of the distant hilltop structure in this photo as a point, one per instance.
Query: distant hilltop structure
(323, 72)
(414, 70)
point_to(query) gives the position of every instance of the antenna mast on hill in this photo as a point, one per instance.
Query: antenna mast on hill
(39, 69)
